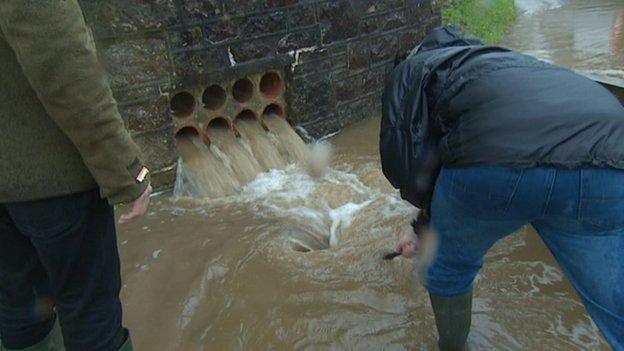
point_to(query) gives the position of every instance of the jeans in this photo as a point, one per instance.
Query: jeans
(59, 257)
(578, 213)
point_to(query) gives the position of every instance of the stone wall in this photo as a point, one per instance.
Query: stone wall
(334, 54)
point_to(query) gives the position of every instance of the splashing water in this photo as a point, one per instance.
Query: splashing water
(231, 161)
(202, 172)
(319, 158)
(294, 149)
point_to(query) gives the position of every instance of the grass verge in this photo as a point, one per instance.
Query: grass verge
(486, 19)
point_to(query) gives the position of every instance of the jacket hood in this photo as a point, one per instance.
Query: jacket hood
(444, 37)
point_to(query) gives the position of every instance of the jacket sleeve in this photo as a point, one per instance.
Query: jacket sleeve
(408, 143)
(57, 54)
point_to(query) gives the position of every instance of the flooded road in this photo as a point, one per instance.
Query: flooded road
(579, 34)
(234, 274)
(292, 262)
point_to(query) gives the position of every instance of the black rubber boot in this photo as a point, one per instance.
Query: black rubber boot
(127, 345)
(453, 316)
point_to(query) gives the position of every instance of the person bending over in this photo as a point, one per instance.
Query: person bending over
(486, 140)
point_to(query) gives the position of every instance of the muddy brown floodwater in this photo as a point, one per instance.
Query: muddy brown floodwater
(580, 34)
(232, 274)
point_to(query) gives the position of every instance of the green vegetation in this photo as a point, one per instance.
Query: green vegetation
(486, 19)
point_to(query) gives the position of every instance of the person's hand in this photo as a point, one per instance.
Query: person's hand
(409, 245)
(138, 207)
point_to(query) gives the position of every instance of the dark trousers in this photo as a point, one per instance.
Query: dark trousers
(59, 257)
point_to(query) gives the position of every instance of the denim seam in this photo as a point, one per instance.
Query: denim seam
(580, 198)
(549, 195)
(514, 191)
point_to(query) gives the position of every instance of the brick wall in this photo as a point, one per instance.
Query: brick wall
(335, 55)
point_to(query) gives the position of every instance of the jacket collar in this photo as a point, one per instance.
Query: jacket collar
(444, 37)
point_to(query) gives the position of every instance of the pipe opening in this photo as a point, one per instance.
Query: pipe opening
(213, 97)
(273, 109)
(187, 133)
(219, 123)
(242, 90)
(249, 115)
(182, 104)
(271, 85)
(246, 115)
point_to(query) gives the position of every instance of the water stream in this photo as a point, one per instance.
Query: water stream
(232, 152)
(211, 178)
(263, 148)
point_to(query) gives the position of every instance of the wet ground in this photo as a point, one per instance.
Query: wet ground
(228, 274)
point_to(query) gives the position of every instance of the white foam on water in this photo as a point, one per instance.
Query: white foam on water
(280, 184)
(188, 310)
(341, 218)
(291, 184)
(216, 271)
(197, 295)
(584, 333)
(156, 253)
(616, 73)
(549, 275)
(484, 329)
(530, 7)
(394, 207)
(303, 201)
